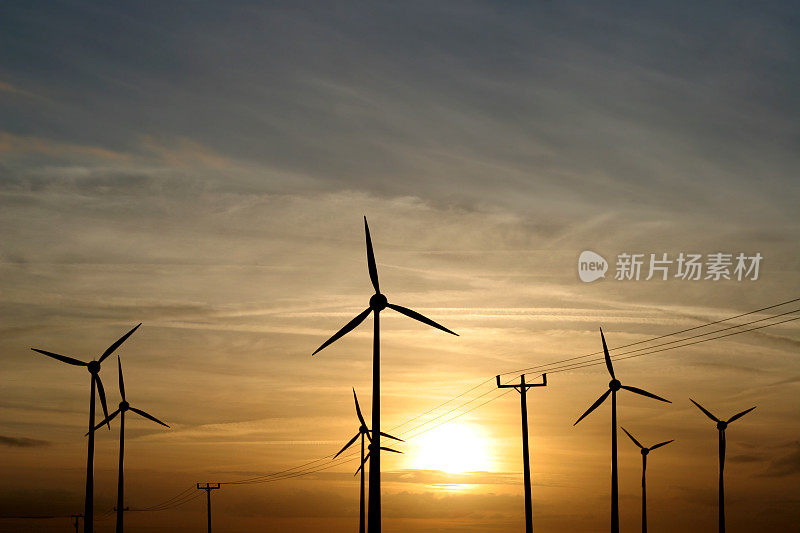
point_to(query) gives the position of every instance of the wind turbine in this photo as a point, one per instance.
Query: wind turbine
(613, 386)
(645, 451)
(377, 303)
(94, 368)
(722, 425)
(123, 407)
(363, 431)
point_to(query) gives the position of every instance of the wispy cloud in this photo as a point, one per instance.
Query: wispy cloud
(8, 88)
(22, 442)
(21, 145)
(204, 170)
(787, 464)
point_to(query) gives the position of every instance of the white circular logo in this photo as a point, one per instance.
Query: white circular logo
(591, 266)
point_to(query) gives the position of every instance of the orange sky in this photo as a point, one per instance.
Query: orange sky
(155, 168)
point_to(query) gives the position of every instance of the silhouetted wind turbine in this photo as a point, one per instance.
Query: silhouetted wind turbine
(377, 303)
(645, 451)
(613, 386)
(94, 368)
(123, 406)
(363, 431)
(722, 426)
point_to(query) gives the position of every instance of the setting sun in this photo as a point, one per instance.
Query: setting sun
(453, 448)
(298, 266)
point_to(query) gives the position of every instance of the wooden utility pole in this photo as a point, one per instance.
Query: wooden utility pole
(76, 521)
(208, 488)
(522, 388)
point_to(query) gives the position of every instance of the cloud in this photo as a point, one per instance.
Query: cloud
(19, 501)
(183, 178)
(746, 458)
(22, 442)
(19, 145)
(184, 152)
(451, 505)
(437, 477)
(785, 465)
(6, 87)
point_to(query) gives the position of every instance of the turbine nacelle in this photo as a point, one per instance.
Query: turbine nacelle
(378, 302)
(364, 431)
(614, 385)
(94, 369)
(124, 406)
(722, 425)
(644, 449)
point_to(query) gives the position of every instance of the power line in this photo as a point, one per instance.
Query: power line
(573, 366)
(169, 501)
(664, 335)
(598, 362)
(174, 503)
(516, 372)
(306, 468)
(547, 367)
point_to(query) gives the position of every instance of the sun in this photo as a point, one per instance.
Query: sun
(452, 448)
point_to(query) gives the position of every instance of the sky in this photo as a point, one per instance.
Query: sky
(203, 168)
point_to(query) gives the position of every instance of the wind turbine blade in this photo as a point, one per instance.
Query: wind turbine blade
(390, 436)
(607, 356)
(644, 393)
(349, 443)
(636, 442)
(116, 345)
(149, 416)
(416, 316)
(102, 393)
(660, 444)
(708, 414)
(106, 421)
(358, 469)
(350, 326)
(373, 270)
(389, 450)
(358, 409)
(121, 381)
(600, 400)
(740, 415)
(62, 358)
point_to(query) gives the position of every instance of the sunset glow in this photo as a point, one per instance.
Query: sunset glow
(454, 448)
(527, 172)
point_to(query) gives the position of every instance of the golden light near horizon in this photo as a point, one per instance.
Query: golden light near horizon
(530, 172)
(453, 448)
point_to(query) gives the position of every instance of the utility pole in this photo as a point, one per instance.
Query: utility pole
(522, 388)
(119, 515)
(76, 521)
(208, 488)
